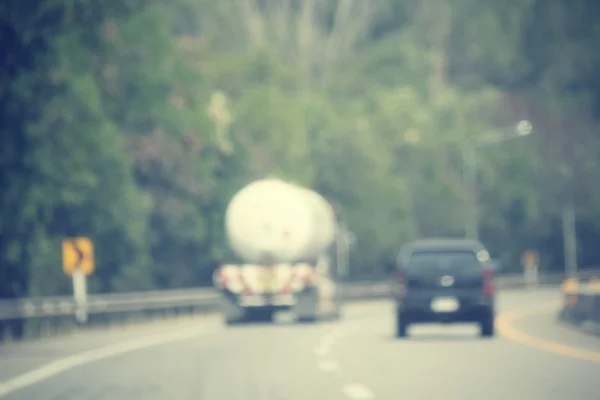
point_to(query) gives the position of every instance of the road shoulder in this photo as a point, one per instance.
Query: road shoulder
(538, 327)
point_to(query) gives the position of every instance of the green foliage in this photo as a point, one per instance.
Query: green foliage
(113, 129)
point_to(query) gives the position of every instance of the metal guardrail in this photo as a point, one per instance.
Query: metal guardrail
(109, 303)
(379, 289)
(208, 298)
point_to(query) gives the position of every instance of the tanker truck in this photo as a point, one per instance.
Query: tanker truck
(289, 255)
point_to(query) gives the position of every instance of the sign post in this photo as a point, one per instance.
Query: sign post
(78, 262)
(530, 262)
(80, 296)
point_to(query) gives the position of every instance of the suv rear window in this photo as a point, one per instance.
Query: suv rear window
(443, 260)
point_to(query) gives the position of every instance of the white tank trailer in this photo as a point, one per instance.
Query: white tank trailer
(285, 238)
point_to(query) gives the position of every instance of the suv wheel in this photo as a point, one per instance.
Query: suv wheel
(401, 326)
(487, 325)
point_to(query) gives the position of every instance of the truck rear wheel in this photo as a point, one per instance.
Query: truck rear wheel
(306, 319)
(232, 321)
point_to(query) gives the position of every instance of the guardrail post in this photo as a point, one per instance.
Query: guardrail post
(531, 276)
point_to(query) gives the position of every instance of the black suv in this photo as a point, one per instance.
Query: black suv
(445, 281)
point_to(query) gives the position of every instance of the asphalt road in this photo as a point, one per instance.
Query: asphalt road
(532, 358)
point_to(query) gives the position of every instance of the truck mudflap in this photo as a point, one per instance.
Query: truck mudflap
(307, 305)
(232, 312)
(320, 302)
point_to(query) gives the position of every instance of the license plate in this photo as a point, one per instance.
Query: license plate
(250, 301)
(444, 304)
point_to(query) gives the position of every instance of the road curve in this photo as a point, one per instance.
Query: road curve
(532, 358)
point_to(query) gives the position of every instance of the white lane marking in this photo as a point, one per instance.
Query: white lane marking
(64, 364)
(357, 392)
(338, 333)
(328, 365)
(322, 351)
(328, 340)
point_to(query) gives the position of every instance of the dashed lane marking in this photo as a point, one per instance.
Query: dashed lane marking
(322, 350)
(328, 365)
(357, 392)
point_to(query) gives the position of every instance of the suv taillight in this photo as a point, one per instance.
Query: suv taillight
(401, 284)
(488, 283)
(400, 277)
